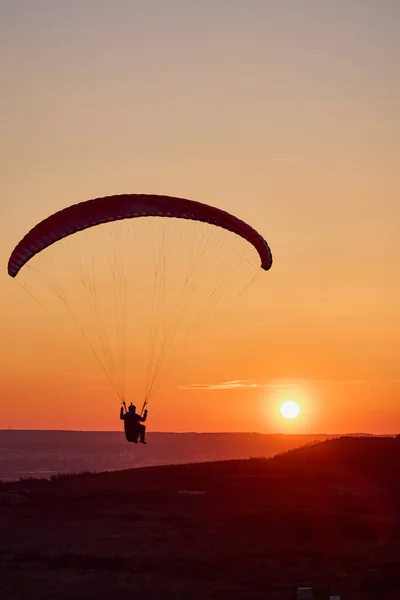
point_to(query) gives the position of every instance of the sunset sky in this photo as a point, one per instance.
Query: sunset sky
(286, 114)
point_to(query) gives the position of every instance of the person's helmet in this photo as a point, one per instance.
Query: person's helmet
(132, 408)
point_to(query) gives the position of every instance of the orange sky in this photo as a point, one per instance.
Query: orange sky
(285, 116)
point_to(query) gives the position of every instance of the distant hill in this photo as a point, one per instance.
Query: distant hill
(43, 453)
(326, 516)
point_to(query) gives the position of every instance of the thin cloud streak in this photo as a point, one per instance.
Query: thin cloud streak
(248, 384)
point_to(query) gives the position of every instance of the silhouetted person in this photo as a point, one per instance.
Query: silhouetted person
(133, 424)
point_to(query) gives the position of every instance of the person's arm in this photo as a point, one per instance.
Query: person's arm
(121, 413)
(142, 419)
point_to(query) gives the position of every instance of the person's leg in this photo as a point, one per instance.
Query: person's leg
(136, 433)
(142, 434)
(131, 434)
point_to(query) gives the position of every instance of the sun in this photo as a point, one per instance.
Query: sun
(290, 409)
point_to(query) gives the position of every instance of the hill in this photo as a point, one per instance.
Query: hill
(43, 453)
(327, 516)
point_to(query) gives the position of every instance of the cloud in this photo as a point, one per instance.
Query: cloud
(225, 385)
(249, 384)
(238, 384)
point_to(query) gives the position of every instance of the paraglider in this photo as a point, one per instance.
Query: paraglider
(128, 206)
(133, 423)
(167, 292)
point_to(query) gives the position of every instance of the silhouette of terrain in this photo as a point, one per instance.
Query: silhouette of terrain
(326, 516)
(44, 453)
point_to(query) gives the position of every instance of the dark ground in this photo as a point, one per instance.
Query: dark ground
(325, 516)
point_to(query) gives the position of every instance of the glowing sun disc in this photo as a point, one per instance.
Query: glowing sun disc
(290, 409)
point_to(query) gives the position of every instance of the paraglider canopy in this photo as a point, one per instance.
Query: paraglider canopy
(127, 206)
(137, 289)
